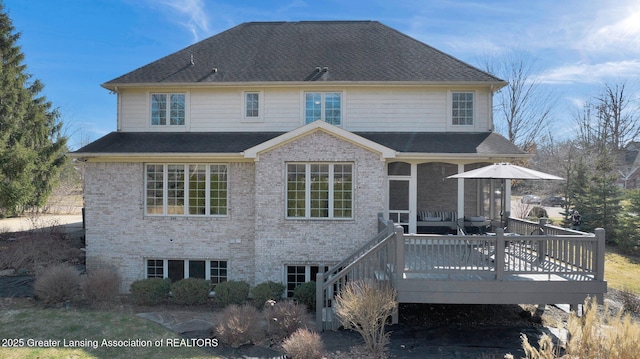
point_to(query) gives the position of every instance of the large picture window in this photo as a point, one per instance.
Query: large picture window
(320, 190)
(462, 108)
(325, 106)
(186, 189)
(167, 109)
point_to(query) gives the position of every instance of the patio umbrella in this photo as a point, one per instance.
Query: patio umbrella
(506, 171)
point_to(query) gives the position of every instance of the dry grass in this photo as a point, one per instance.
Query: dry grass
(31, 250)
(622, 271)
(595, 335)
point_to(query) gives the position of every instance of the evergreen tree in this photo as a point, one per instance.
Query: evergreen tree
(32, 148)
(600, 202)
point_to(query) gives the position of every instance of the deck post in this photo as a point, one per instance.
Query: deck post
(542, 244)
(499, 256)
(599, 255)
(399, 267)
(319, 301)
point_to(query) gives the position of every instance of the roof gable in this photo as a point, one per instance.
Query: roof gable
(306, 51)
(254, 152)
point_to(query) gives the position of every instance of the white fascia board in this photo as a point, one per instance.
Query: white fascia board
(385, 152)
(494, 85)
(159, 157)
(431, 157)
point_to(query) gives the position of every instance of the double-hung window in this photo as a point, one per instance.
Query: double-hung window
(320, 190)
(325, 106)
(462, 108)
(168, 109)
(186, 189)
(252, 105)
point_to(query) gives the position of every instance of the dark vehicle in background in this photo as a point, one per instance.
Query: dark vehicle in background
(553, 201)
(530, 199)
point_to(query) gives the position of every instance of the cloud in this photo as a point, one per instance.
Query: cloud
(587, 73)
(190, 14)
(620, 33)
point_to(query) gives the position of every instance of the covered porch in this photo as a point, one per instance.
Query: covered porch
(423, 200)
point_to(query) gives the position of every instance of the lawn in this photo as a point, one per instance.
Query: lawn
(622, 271)
(79, 333)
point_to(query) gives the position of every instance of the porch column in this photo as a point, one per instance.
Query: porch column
(460, 208)
(507, 200)
(413, 199)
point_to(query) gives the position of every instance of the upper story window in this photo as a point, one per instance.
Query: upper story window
(186, 189)
(462, 108)
(325, 106)
(167, 109)
(252, 105)
(320, 190)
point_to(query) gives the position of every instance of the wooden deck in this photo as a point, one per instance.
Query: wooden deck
(564, 268)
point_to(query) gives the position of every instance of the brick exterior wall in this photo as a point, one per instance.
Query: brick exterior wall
(281, 241)
(255, 238)
(118, 234)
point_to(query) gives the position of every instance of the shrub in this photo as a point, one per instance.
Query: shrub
(239, 325)
(630, 301)
(365, 308)
(267, 291)
(150, 291)
(57, 283)
(190, 291)
(304, 344)
(231, 292)
(538, 212)
(101, 285)
(305, 294)
(284, 318)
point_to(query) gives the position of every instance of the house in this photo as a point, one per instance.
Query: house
(629, 170)
(267, 152)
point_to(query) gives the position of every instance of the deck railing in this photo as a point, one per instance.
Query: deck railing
(392, 256)
(524, 227)
(494, 257)
(372, 261)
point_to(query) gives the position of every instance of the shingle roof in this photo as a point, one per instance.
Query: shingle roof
(486, 143)
(291, 51)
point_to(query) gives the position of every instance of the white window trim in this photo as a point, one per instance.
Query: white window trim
(260, 117)
(165, 189)
(168, 127)
(450, 124)
(323, 92)
(307, 208)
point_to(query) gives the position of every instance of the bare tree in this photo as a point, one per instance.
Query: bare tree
(608, 123)
(523, 108)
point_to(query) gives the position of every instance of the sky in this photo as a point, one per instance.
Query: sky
(74, 46)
